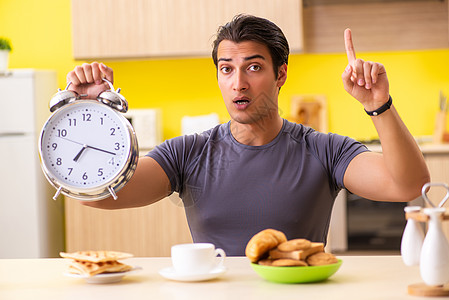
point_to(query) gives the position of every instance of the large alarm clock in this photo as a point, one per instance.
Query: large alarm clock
(88, 149)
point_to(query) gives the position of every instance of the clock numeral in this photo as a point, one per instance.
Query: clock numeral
(112, 131)
(54, 146)
(85, 176)
(100, 172)
(62, 133)
(72, 122)
(117, 146)
(59, 161)
(111, 161)
(70, 171)
(87, 117)
(101, 121)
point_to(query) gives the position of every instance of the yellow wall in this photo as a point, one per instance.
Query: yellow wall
(40, 31)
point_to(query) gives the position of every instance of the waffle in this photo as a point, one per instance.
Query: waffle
(91, 269)
(90, 263)
(96, 256)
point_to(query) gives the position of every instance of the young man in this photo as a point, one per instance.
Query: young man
(258, 170)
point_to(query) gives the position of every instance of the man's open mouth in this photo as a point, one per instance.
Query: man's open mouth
(241, 102)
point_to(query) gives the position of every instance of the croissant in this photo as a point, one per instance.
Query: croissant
(262, 242)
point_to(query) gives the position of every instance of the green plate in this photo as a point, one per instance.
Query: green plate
(296, 274)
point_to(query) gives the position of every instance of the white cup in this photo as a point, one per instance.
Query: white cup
(196, 258)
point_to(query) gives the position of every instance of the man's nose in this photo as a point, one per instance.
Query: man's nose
(240, 81)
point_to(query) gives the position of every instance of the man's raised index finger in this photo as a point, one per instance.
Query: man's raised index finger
(350, 52)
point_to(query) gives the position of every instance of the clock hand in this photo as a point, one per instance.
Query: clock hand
(86, 146)
(79, 153)
(102, 150)
(64, 138)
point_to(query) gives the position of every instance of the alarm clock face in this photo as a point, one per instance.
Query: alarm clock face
(85, 146)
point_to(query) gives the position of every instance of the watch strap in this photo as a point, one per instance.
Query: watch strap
(381, 109)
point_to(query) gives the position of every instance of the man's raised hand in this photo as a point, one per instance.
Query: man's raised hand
(365, 80)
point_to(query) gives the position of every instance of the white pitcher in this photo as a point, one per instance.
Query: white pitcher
(412, 239)
(434, 259)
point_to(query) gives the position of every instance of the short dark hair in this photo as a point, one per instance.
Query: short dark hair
(250, 28)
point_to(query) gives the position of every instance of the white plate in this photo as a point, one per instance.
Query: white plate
(104, 277)
(170, 273)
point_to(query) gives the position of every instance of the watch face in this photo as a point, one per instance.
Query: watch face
(85, 145)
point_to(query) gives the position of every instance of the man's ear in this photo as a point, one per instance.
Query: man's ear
(282, 75)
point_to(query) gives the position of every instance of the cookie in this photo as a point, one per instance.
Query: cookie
(287, 262)
(297, 254)
(265, 262)
(321, 258)
(295, 244)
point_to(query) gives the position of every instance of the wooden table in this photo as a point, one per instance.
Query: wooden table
(360, 277)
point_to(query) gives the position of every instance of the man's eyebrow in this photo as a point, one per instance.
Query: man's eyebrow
(254, 56)
(224, 59)
(245, 58)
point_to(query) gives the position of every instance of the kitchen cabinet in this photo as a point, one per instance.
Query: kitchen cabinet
(167, 28)
(376, 25)
(144, 231)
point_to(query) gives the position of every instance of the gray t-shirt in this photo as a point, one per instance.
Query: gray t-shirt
(232, 191)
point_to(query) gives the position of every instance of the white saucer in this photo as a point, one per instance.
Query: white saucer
(170, 273)
(104, 277)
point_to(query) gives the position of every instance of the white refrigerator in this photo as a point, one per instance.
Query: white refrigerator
(31, 222)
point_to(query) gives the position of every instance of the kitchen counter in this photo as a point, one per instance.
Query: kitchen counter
(426, 148)
(360, 277)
